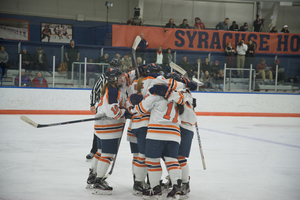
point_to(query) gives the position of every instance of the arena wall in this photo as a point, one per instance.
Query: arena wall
(76, 101)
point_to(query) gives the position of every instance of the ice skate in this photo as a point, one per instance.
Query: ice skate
(176, 191)
(185, 190)
(91, 179)
(168, 184)
(138, 188)
(153, 193)
(101, 187)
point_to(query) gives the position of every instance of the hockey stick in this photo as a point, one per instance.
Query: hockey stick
(114, 161)
(200, 147)
(36, 125)
(198, 82)
(177, 68)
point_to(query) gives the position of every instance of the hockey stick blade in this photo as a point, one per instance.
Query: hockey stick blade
(29, 121)
(177, 68)
(198, 82)
(36, 125)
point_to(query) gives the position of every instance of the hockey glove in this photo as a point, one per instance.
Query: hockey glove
(136, 98)
(190, 84)
(161, 90)
(127, 114)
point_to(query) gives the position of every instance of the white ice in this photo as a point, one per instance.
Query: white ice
(246, 158)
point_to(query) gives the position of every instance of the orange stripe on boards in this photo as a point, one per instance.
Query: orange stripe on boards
(87, 112)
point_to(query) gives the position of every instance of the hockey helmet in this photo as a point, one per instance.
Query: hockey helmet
(153, 68)
(112, 74)
(174, 75)
(140, 70)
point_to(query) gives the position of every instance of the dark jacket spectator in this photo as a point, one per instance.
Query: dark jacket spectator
(257, 24)
(234, 26)
(3, 59)
(40, 60)
(39, 81)
(199, 24)
(245, 27)
(215, 68)
(184, 24)
(186, 65)
(25, 79)
(170, 24)
(230, 55)
(251, 49)
(206, 66)
(26, 59)
(281, 74)
(223, 25)
(168, 58)
(285, 29)
(102, 59)
(274, 30)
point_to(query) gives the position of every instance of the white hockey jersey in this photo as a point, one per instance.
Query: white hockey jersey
(188, 117)
(111, 126)
(164, 120)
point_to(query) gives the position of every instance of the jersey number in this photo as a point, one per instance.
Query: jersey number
(115, 109)
(167, 115)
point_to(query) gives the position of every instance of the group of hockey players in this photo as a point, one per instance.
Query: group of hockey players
(59, 31)
(161, 112)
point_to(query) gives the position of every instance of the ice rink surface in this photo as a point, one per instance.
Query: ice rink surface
(246, 157)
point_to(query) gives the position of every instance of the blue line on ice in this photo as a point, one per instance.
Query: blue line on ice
(251, 138)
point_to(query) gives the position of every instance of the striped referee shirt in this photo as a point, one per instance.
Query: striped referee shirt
(96, 91)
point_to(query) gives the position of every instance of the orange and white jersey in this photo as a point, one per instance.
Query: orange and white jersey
(111, 126)
(164, 120)
(188, 117)
(130, 77)
(130, 136)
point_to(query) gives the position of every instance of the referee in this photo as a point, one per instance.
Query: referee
(95, 97)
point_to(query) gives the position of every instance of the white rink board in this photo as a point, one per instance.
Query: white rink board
(79, 99)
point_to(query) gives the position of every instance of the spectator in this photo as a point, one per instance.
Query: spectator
(26, 59)
(40, 60)
(230, 55)
(241, 50)
(102, 59)
(196, 68)
(245, 27)
(206, 66)
(223, 25)
(274, 30)
(140, 45)
(219, 80)
(90, 72)
(25, 79)
(215, 69)
(72, 55)
(116, 62)
(170, 24)
(234, 26)
(263, 71)
(127, 63)
(158, 56)
(184, 24)
(281, 74)
(168, 58)
(199, 24)
(186, 65)
(257, 24)
(250, 54)
(3, 60)
(206, 79)
(285, 29)
(39, 81)
(139, 61)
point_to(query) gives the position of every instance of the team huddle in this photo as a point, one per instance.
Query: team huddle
(161, 113)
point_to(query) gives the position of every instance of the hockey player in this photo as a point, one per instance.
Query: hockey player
(188, 119)
(110, 128)
(46, 32)
(162, 136)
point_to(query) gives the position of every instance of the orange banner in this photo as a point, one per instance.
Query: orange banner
(205, 40)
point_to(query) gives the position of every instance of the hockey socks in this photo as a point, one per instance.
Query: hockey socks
(174, 169)
(103, 165)
(96, 160)
(154, 171)
(184, 169)
(140, 168)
